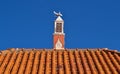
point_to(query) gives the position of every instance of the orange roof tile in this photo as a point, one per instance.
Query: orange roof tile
(76, 61)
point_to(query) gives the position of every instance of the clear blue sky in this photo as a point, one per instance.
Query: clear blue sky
(88, 23)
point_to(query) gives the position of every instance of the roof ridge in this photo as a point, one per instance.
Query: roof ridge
(34, 49)
(113, 51)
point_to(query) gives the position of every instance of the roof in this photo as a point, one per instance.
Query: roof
(59, 19)
(69, 61)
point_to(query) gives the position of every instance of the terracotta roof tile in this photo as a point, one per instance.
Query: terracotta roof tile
(79, 61)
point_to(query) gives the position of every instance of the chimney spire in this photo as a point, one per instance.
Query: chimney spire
(58, 36)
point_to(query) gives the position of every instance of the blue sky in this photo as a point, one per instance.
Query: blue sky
(88, 23)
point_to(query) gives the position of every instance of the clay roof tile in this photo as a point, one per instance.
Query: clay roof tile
(68, 61)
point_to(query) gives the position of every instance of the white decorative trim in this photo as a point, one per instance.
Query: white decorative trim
(58, 44)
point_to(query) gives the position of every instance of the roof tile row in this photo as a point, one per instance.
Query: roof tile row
(60, 62)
